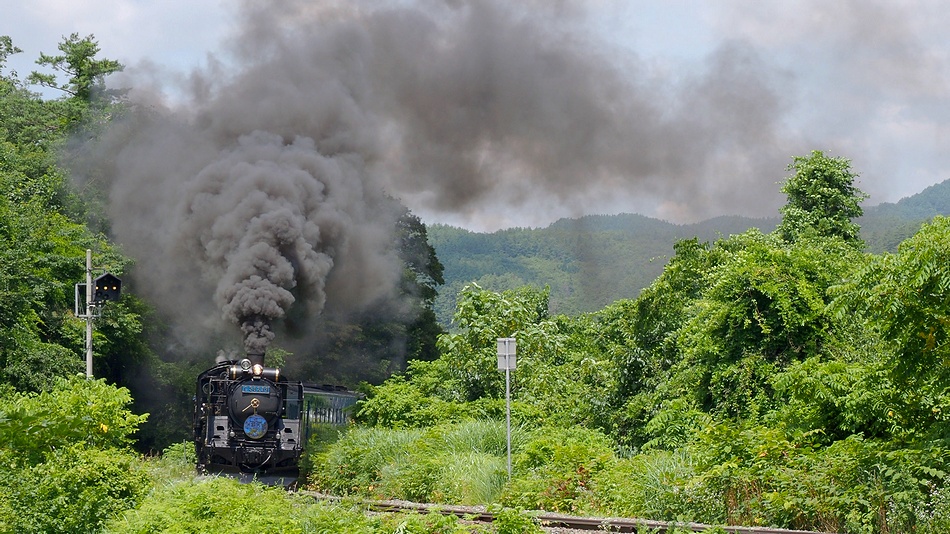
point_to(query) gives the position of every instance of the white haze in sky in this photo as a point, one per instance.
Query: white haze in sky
(486, 116)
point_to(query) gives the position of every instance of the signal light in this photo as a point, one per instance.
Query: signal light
(107, 287)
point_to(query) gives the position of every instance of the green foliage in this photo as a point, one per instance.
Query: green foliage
(512, 521)
(463, 464)
(561, 377)
(554, 469)
(907, 296)
(765, 476)
(7, 49)
(64, 457)
(78, 62)
(416, 523)
(719, 325)
(224, 505)
(76, 489)
(211, 505)
(656, 484)
(42, 246)
(176, 463)
(483, 317)
(402, 403)
(76, 411)
(822, 199)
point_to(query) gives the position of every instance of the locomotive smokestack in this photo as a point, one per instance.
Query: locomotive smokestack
(257, 358)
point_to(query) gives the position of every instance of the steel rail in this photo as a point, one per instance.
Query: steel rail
(551, 520)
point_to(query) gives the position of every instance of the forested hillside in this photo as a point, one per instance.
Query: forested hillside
(592, 261)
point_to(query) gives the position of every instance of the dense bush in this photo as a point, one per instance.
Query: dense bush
(67, 467)
(76, 411)
(211, 505)
(76, 489)
(656, 484)
(554, 469)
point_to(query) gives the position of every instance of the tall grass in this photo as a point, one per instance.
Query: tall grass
(461, 463)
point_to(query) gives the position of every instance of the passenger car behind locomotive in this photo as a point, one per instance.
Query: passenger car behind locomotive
(251, 422)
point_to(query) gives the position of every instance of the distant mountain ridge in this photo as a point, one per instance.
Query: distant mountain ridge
(591, 261)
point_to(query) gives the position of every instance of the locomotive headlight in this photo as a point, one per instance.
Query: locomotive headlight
(258, 369)
(246, 364)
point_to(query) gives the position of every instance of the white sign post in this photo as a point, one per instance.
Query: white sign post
(507, 362)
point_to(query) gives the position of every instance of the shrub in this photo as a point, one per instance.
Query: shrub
(211, 505)
(76, 490)
(660, 485)
(354, 465)
(554, 469)
(75, 411)
(510, 521)
(765, 476)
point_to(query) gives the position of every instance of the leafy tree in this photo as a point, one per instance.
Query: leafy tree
(422, 276)
(562, 377)
(822, 199)
(907, 295)
(42, 249)
(78, 61)
(483, 317)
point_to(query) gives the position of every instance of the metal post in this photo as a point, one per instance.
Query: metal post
(507, 361)
(508, 415)
(89, 314)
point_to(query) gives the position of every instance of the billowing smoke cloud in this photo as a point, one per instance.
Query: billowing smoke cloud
(265, 195)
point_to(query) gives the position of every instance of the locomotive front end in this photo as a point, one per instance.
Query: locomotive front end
(247, 421)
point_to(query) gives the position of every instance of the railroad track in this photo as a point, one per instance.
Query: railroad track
(560, 521)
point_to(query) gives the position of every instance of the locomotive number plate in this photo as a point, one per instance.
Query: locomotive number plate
(263, 390)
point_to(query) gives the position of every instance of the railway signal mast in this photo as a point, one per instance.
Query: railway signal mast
(90, 297)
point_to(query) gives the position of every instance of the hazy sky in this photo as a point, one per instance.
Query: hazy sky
(485, 116)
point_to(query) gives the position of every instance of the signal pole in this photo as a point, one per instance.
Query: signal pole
(105, 288)
(90, 312)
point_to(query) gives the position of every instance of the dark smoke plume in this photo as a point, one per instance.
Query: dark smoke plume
(264, 196)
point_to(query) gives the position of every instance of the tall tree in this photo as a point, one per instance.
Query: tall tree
(42, 247)
(7, 49)
(421, 278)
(822, 199)
(78, 61)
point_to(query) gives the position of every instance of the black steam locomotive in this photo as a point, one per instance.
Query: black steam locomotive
(252, 423)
